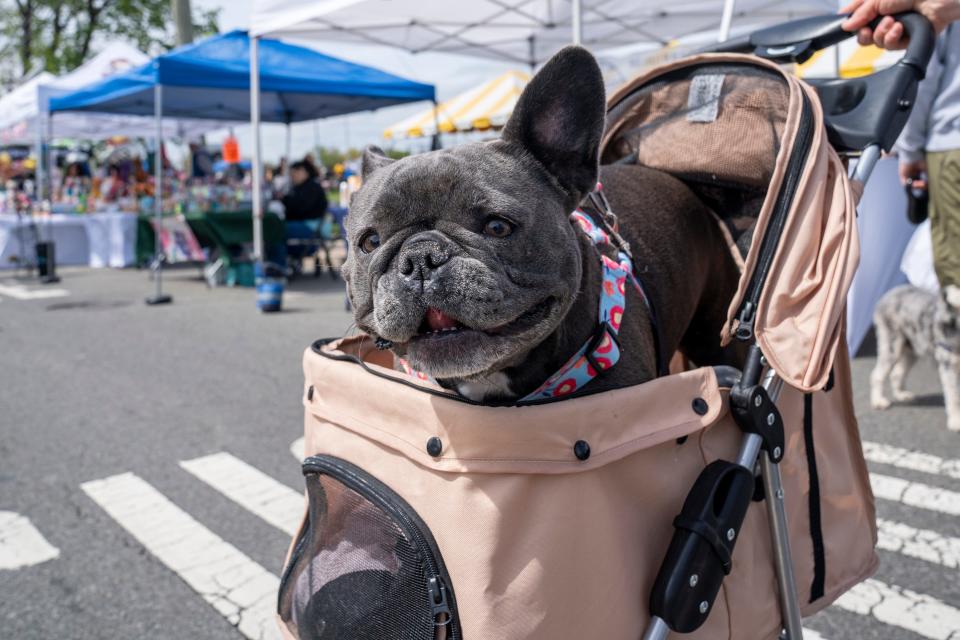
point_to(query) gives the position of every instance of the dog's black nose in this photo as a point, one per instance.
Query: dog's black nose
(420, 258)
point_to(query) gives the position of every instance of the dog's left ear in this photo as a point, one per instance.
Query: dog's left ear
(559, 120)
(373, 159)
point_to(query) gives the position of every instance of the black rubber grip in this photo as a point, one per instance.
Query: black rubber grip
(922, 40)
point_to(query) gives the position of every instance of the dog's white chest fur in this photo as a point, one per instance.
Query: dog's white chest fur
(495, 384)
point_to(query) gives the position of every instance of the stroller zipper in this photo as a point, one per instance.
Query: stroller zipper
(746, 315)
(441, 599)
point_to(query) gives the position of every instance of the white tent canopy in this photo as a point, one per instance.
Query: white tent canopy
(486, 106)
(24, 111)
(521, 31)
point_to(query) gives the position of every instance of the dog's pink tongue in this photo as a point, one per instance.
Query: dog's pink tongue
(438, 320)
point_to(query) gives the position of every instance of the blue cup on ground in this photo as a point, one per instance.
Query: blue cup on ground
(270, 280)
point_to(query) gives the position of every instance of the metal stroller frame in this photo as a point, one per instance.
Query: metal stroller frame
(863, 116)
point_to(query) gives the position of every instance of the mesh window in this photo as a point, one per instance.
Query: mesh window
(716, 126)
(355, 574)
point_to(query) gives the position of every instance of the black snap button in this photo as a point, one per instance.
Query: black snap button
(700, 406)
(581, 449)
(310, 393)
(434, 446)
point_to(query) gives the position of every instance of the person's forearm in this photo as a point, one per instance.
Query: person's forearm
(954, 11)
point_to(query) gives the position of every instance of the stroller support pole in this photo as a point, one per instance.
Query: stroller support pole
(773, 489)
(866, 163)
(789, 606)
(658, 629)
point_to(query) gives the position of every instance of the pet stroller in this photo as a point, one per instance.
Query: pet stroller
(711, 503)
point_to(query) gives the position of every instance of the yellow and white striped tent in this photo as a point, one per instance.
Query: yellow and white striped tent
(855, 61)
(484, 107)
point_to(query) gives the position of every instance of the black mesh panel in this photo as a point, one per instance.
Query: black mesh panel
(354, 575)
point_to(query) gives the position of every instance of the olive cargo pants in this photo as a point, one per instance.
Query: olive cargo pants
(943, 169)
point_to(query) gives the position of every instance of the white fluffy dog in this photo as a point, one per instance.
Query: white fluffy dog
(913, 322)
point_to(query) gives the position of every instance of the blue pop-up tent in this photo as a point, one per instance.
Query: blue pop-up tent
(212, 79)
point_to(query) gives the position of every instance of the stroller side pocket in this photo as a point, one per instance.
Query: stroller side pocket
(365, 566)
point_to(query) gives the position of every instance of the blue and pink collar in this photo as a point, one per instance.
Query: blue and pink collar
(602, 350)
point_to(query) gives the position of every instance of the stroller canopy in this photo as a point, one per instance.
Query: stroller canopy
(749, 139)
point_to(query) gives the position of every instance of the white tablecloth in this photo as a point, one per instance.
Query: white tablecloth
(97, 240)
(112, 238)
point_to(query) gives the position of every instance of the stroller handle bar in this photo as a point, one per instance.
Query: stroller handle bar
(798, 40)
(858, 112)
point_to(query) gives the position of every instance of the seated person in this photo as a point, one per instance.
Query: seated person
(305, 201)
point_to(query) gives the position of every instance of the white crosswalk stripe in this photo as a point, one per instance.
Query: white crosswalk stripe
(237, 587)
(921, 544)
(21, 544)
(902, 608)
(913, 460)
(20, 292)
(252, 489)
(297, 448)
(915, 494)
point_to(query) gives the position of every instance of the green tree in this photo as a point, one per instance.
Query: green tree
(59, 35)
(329, 156)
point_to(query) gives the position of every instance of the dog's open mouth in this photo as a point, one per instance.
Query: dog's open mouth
(438, 325)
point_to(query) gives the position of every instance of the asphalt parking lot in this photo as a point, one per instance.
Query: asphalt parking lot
(106, 404)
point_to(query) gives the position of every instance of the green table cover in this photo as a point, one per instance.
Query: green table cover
(225, 231)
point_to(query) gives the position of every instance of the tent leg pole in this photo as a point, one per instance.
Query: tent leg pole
(38, 173)
(38, 195)
(437, 142)
(49, 157)
(576, 18)
(51, 276)
(725, 20)
(257, 161)
(158, 297)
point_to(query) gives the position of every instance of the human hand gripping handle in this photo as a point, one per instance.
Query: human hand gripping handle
(888, 32)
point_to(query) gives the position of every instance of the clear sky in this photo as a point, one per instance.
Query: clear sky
(450, 74)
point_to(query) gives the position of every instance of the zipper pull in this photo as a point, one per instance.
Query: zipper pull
(439, 606)
(745, 325)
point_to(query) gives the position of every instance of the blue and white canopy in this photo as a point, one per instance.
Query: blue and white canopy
(211, 80)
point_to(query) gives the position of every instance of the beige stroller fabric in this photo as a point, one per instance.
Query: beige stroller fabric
(750, 142)
(541, 545)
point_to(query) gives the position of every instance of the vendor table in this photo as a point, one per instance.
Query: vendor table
(224, 231)
(97, 240)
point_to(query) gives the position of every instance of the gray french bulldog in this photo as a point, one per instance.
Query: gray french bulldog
(467, 261)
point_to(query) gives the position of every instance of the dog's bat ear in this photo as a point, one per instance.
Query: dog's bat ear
(373, 159)
(559, 119)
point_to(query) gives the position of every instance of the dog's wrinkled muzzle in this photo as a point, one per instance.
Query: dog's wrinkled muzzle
(421, 256)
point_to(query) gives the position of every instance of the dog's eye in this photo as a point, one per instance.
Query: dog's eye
(370, 241)
(498, 228)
